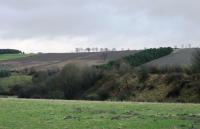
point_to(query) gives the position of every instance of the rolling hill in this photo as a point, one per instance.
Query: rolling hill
(180, 57)
(52, 60)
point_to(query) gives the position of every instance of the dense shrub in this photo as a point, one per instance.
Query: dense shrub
(174, 77)
(110, 65)
(139, 58)
(125, 68)
(9, 51)
(4, 73)
(169, 69)
(147, 55)
(69, 83)
(75, 80)
(103, 94)
(142, 74)
(2, 91)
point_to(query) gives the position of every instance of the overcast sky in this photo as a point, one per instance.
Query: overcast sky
(62, 25)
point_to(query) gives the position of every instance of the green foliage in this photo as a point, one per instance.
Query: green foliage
(169, 69)
(68, 83)
(147, 55)
(70, 80)
(4, 73)
(103, 94)
(110, 65)
(10, 85)
(139, 58)
(10, 51)
(174, 77)
(142, 74)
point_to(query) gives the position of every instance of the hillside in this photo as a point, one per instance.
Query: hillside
(122, 79)
(173, 87)
(180, 57)
(52, 60)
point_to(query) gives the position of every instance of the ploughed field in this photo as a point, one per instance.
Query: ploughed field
(58, 60)
(180, 57)
(60, 114)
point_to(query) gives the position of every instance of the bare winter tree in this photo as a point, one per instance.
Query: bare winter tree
(77, 50)
(81, 49)
(96, 49)
(101, 49)
(88, 49)
(114, 49)
(106, 49)
(93, 49)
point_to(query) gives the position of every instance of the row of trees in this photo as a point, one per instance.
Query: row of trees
(139, 58)
(10, 51)
(95, 49)
(147, 55)
(69, 83)
(74, 82)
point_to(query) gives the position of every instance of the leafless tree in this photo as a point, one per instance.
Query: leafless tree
(81, 49)
(93, 49)
(77, 50)
(101, 49)
(189, 45)
(106, 49)
(96, 49)
(88, 49)
(114, 49)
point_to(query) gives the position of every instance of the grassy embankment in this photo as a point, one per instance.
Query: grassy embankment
(49, 114)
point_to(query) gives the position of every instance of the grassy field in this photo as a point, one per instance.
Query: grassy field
(12, 56)
(49, 114)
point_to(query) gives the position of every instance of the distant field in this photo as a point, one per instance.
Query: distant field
(58, 60)
(180, 57)
(49, 114)
(12, 56)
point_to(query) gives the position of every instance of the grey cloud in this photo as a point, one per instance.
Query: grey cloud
(102, 21)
